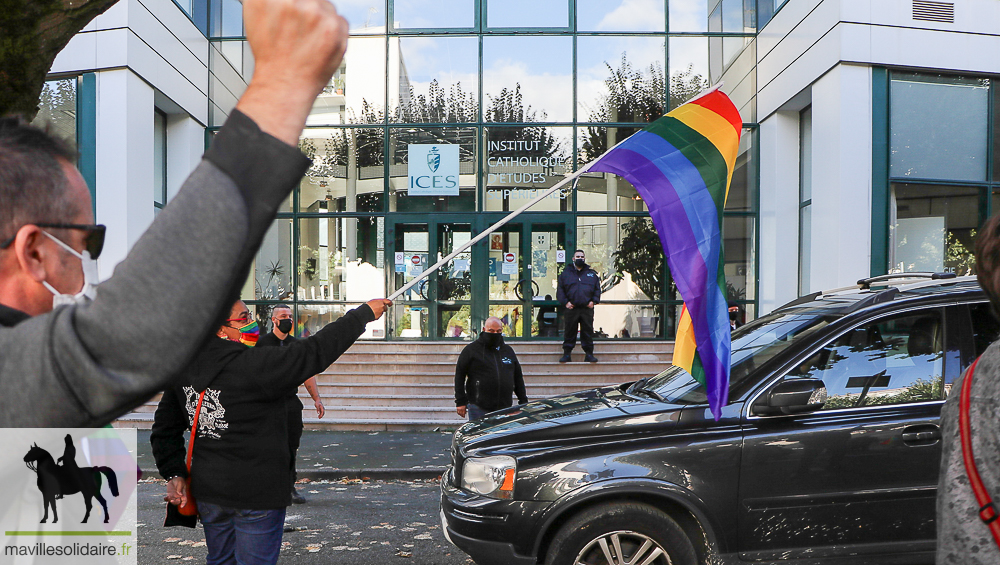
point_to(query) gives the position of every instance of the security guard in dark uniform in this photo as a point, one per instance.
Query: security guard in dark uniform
(579, 290)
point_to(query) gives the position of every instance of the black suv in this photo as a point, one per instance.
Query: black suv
(828, 451)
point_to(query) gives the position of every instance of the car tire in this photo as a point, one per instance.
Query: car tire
(619, 533)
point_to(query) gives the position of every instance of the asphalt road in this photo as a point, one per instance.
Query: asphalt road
(344, 522)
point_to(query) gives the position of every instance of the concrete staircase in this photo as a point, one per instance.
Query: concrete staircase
(409, 386)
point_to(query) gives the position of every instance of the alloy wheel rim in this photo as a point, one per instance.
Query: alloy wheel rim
(623, 547)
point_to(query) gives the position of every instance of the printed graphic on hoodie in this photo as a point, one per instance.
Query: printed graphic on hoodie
(213, 414)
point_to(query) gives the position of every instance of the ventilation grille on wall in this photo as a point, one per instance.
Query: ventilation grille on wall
(930, 11)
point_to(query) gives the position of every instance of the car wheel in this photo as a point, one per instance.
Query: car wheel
(622, 533)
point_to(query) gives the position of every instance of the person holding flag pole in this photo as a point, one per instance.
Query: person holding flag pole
(681, 165)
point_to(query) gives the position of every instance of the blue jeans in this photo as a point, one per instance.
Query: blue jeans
(236, 536)
(475, 412)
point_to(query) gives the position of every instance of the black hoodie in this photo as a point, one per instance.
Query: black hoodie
(241, 457)
(487, 376)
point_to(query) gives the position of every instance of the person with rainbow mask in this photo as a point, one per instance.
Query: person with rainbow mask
(240, 461)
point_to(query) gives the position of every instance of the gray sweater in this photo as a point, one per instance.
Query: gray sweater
(81, 366)
(963, 539)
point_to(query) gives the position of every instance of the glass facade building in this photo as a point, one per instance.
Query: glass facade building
(446, 115)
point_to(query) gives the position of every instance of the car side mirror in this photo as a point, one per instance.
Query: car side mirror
(793, 396)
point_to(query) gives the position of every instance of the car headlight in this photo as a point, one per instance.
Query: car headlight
(490, 476)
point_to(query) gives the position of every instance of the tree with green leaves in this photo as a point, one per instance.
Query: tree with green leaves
(32, 33)
(641, 255)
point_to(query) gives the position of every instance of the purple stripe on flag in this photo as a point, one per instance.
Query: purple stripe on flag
(694, 196)
(688, 266)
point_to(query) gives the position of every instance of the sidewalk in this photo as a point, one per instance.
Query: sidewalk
(335, 455)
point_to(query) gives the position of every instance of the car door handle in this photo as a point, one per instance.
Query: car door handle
(921, 435)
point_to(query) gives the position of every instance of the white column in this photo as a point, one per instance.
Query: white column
(842, 177)
(124, 162)
(779, 199)
(185, 146)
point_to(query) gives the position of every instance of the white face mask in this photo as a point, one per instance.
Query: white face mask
(90, 278)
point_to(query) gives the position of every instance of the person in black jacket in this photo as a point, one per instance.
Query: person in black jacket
(239, 468)
(487, 374)
(579, 290)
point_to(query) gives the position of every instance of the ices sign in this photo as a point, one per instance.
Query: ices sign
(432, 170)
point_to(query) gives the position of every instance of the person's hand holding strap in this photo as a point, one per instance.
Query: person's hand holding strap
(297, 46)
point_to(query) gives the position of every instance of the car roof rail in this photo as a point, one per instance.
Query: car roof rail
(895, 282)
(949, 280)
(897, 278)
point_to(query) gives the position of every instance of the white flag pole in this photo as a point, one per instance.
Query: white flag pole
(515, 213)
(491, 229)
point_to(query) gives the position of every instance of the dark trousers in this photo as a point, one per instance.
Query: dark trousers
(294, 410)
(241, 536)
(474, 412)
(584, 317)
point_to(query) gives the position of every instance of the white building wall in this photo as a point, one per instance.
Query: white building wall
(779, 210)
(841, 178)
(821, 52)
(147, 55)
(124, 162)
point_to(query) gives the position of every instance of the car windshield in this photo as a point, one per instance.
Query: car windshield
(753, 345)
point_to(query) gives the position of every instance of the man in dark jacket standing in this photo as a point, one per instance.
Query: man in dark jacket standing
(281, 336)
(579, 290)
(487, 374)
(239, 468)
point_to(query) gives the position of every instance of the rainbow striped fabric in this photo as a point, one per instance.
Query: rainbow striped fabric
(682, 165)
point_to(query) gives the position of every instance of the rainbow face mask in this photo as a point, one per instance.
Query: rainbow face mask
(249, 334)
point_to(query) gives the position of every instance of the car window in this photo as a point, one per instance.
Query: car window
(893, 360)
(985, 327)
(753, 345)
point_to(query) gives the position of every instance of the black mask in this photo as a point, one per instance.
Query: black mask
(492, 340)
(579, 262)
(285, 326)
(733, 314)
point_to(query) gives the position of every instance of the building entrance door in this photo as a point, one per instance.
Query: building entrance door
(523, 266)
(440, 305)
(511, 275)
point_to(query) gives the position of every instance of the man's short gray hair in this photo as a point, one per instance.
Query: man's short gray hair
(33, 185)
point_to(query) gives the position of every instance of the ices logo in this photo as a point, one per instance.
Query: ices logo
(433, 159)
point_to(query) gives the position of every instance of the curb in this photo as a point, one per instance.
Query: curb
(383, 474)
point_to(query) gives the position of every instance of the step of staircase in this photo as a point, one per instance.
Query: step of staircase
(409, 386)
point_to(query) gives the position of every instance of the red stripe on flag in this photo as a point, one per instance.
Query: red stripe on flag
(720, 104)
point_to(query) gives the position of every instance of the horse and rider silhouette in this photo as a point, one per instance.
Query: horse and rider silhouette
(55, 480)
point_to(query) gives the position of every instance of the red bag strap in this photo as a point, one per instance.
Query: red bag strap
(194, 430)
(987, 511)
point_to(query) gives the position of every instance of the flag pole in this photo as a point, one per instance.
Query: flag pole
(493, 228)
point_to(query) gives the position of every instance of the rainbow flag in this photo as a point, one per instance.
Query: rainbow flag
(682, 165)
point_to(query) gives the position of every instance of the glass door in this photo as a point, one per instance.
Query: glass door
(525, 259)
(511, 274)
(412, 244)
(548, 259)
(439, 306)
(453, 283)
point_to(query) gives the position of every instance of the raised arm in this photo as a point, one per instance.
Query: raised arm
(86, 365)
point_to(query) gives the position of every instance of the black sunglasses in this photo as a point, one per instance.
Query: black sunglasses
(94, 240)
